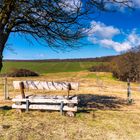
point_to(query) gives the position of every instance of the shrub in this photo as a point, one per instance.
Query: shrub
(127, 66)
(22, 73)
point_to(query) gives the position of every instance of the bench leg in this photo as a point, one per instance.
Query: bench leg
(61, 108)
(70, 113)
(27, 105)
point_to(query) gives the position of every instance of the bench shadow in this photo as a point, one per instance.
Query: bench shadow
(90, 102)
(5, 107)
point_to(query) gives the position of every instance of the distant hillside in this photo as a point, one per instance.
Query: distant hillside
(43, 67)
(97, 59)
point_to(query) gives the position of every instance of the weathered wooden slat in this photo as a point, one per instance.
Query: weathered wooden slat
(75, 101)
(32, 96)
(46, 100)
(45, 107)
(43, 85)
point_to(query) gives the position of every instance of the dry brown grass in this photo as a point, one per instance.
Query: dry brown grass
(103, 112)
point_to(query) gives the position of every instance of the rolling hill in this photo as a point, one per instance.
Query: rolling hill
(54, 65)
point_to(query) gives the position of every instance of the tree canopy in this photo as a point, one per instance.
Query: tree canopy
(127, 65)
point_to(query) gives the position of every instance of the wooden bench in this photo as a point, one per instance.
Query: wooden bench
(46, 102)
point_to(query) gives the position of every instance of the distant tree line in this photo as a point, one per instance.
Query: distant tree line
(97, 59)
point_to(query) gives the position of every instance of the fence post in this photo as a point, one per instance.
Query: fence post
(6, 96)
(129, 98)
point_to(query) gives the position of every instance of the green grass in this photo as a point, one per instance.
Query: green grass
(100, 75)
(49, 67)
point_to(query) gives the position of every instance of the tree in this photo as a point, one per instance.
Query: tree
(57, 22)
(127, 65)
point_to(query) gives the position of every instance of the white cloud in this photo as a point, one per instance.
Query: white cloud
(134, 38)
(100, 30)
(115, 45)
(121, 5)
(42, 55)
(104, 35)
(70, 5)
(136, 3)
(131, 3)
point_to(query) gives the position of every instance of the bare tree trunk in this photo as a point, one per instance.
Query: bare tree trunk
(3, 40)
(1, 65)
(1, 56)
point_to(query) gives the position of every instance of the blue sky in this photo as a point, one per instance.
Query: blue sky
(110, 34)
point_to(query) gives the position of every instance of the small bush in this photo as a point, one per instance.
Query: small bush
(22, 73)
(100, 68)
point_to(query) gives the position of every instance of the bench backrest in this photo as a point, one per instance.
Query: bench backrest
(44, 85)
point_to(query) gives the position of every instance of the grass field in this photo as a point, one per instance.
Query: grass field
(48, 67)
(103, 111)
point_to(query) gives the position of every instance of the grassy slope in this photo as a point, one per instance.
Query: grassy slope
(109, 117)
(49, 67)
